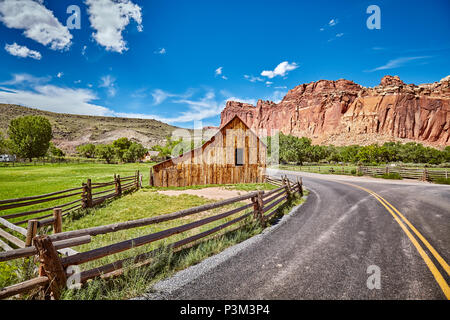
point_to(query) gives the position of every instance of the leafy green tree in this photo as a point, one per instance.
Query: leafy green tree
(30, 136)
(105, 152)
(86, 150)
(121, 146)
(349, 153)
(3, 148)
(446, 153)
(55, 151)
(166, 150)
(135, 152)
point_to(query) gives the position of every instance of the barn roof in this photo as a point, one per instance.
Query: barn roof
(212, 139)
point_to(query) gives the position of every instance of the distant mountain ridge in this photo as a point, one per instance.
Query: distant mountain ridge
(342, 112)
(70, 131)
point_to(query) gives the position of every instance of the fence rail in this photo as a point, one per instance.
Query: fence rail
(423, 174)
(14, 235)
(53, 268)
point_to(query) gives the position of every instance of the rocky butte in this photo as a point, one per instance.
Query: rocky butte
(342, 112)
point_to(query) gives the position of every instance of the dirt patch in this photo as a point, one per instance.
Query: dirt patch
(215, 193)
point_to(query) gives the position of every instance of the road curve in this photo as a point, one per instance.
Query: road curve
(325, 248)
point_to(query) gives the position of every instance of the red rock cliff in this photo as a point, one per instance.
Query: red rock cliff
(342, 112)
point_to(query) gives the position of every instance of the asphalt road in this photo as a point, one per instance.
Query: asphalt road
(324, 249)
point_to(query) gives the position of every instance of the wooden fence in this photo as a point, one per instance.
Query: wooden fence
(54, 268)
(423, 174)
(87, 196)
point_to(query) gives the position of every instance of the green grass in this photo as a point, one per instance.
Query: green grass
(18, 182)
(146, 203)
(442, 180)
(391, 176)
(323, 169)
(33, 180)
(137, 281)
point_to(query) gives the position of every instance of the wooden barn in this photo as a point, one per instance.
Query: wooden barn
(235, 154)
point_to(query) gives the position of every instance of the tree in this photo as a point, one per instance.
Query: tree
(55, 151)
(3, 148)
(121, 146)
(166, 150)
(86, 150)
(105, 152)
(447, 154)
(135, 152)
(30, 136)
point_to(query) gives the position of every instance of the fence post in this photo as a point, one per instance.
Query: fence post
(288, 185)
(51, 264)
(57, 224)
(446, 174)
(300, 186)
(86, 197)
(425, 174)
(258, 207)
(137, 180)
(31, 232)
(119, 186)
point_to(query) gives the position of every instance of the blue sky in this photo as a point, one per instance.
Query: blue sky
(180, 61)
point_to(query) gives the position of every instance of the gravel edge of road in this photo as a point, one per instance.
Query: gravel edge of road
(162, 289)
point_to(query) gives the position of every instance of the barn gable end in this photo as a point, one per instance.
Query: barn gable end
(235, 154)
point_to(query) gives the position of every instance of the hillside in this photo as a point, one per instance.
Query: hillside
(70, 131)
(342, 112)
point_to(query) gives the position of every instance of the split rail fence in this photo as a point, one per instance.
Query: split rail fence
(33, 216)
(53, 268)
(423, 174)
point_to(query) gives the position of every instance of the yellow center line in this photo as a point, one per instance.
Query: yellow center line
(431, 266)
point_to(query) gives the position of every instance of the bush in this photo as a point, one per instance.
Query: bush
(442, 180)
(353, 171)
(393, 176)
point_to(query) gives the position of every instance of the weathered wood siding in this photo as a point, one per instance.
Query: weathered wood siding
(214, 162)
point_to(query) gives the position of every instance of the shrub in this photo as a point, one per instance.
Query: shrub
(393, 176)
(442, 180)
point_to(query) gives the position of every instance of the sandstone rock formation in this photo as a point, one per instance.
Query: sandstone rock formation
(342, 112)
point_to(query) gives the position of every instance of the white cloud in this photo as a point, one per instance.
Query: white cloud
(60, 74)
(276, 96)
(333, 22)
(25, 78)
(160, 51)
(160, 96)
(269, 83)
(322, 29)
(281, 70)
(56, 99)
(37, 21)
(83, 51)
(398, 62)
(219, 72)
(109, 83)
(339, 35)
(253, 78)
(22, 51)
(109, 18)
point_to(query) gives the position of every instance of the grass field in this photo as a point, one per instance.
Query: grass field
(143, 203)
(40, 179)
(18, 182)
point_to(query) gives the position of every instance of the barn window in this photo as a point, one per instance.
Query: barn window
(239, 157)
